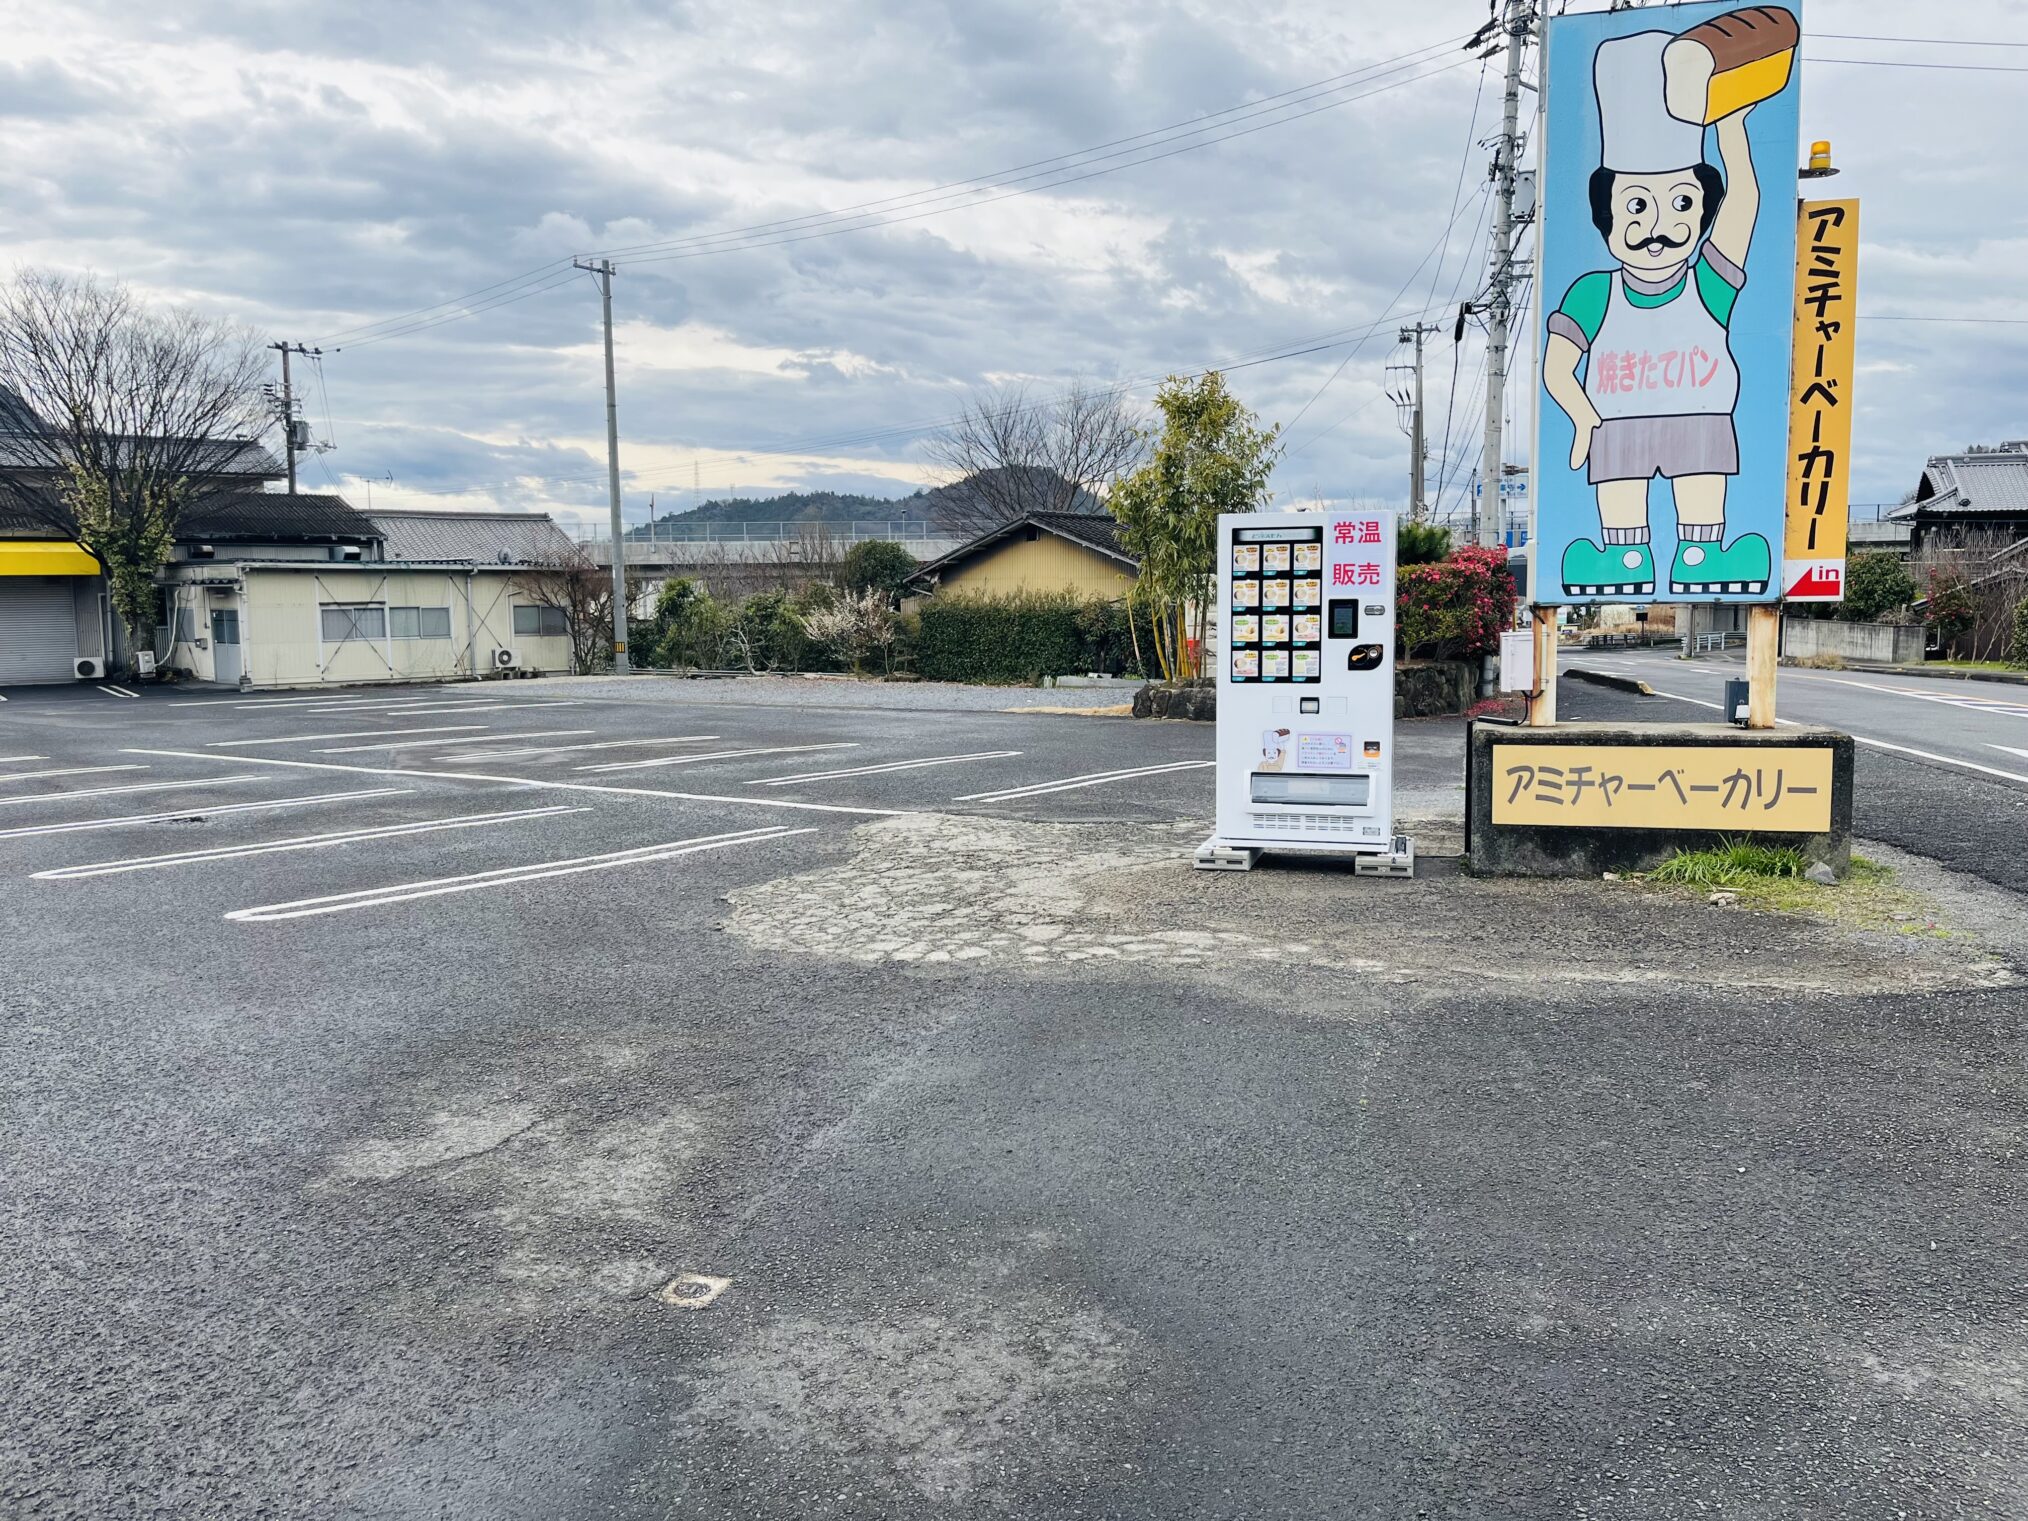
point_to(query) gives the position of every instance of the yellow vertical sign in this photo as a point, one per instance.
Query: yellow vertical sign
(1820, 402)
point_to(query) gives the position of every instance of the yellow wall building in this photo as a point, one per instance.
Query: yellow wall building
(1078, 553)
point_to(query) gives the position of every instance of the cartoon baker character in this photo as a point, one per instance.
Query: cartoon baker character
(1651, 335)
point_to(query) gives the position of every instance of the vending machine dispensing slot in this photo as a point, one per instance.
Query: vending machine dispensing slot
(1306, 602)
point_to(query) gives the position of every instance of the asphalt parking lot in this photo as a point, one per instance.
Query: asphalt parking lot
(546, 1100)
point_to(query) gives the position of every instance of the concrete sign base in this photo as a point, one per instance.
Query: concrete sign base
(1577, 800)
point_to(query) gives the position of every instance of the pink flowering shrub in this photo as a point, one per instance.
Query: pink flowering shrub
(1456, 608)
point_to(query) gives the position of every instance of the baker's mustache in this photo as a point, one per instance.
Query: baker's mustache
(1657, 237)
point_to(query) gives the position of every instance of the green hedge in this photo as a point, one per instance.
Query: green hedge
(1025, 637)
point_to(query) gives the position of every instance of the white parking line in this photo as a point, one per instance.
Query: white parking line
(455, 757)
(908, 765)
(113, 691)
(24, 776)
(302, 739)
(528, 781)
(71, 797)
(505, 876)
(298, 842)
(715, 755)
(78, 825)
(541, 734)
(1073, 783)
(10, 759)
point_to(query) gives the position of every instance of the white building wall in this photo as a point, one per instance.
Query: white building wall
(282, 636)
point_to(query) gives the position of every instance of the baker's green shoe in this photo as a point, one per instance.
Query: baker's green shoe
(1617, 570)
(1706, 569)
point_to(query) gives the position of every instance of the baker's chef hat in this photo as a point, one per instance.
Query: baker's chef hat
(1636, 131)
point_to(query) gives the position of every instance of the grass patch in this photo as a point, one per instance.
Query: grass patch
(1771, 878)
(1825, 662)
(1733, 864)
(1974, 665)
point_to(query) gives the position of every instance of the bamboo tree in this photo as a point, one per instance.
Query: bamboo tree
(1210, 456)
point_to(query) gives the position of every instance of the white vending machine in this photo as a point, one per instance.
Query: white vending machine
(1306, 690)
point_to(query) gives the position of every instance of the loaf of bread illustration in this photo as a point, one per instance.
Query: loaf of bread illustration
(1729, 63)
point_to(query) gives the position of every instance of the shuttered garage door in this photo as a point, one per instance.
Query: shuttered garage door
(38, 636)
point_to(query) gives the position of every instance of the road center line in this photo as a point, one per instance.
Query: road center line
(78, 825)
(299, 739)
(506, 876)
(298, 842)
(1882, 744)
(520, 781)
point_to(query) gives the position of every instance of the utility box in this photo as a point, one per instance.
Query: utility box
(1738, 697)
(1306, 690)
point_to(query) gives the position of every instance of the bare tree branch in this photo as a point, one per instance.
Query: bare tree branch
(1010, 453)
(119, 419)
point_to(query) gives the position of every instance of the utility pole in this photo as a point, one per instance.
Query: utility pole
(295, 436)
(603, 268)
(1517, 21)
(1418, 439)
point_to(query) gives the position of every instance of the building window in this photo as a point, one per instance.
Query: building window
(419, 622)
(532, 622)
(345, 621)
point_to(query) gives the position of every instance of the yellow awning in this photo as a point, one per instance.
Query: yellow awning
(45, 557)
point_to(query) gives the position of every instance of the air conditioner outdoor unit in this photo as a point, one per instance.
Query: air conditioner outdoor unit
(89, 668)
(504, 659)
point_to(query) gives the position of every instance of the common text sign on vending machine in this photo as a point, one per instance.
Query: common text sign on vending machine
(1305, 686)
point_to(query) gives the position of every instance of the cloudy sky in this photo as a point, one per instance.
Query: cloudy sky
(316, 169)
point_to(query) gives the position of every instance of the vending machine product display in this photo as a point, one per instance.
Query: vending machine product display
(1306, 689)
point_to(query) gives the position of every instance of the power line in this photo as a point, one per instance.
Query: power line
(531, 282)
(1443, 240)
(1056, 184)
(1246, 359)
(1909, 63)
(1000, 179)
(508, 297)
(1953, 42)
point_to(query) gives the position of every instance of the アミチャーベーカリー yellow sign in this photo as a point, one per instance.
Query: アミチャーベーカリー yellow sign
(1745, 788)
(1820, 402)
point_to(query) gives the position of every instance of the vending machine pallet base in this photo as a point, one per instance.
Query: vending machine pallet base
(1212, 856)
(1216, 855)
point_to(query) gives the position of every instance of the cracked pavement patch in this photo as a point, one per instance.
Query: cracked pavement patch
(949, 892)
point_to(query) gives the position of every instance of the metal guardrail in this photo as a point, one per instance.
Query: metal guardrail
(748, 551)
(676, 531)
(1705, 644)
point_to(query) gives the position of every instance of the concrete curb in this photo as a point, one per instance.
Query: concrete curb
(1607, 679)
(1932, 673)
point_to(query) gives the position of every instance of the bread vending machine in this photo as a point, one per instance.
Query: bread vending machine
(1306, 690)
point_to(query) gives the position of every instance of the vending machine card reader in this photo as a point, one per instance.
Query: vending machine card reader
(1306, 689)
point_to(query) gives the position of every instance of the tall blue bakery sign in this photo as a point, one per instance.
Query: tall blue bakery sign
(1667, 274)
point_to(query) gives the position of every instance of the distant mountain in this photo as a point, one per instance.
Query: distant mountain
(972, 504)
(830, 507)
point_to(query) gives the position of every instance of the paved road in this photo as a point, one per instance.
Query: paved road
(1979, 727)
(1942, 767)
(373, 1069)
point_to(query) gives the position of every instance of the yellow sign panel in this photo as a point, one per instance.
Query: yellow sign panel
(1738, 787)
(46, 557)
(1820, 402)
